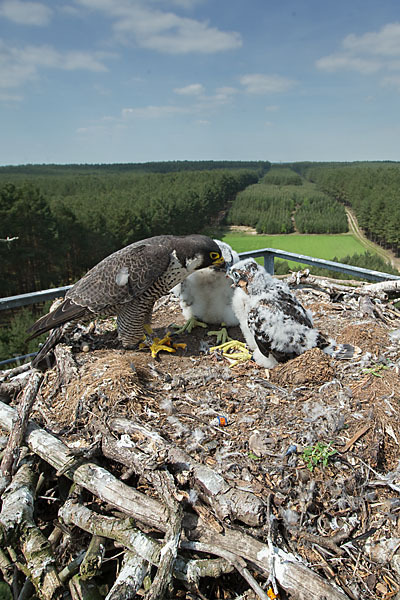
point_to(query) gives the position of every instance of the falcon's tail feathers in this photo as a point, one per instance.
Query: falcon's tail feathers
(342, 351)
(65, 312)
(49, 344)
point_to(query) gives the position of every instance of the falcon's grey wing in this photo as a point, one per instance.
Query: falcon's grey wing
(117, 279)
(121, 277)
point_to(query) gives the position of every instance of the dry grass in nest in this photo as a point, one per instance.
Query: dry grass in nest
(378, 382)
(108, 383)
(314, 366)
(369, 336)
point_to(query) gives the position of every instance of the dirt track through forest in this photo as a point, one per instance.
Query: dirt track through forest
(354, 228)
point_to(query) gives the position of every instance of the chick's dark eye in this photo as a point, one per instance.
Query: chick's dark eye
(235, 275)
(214, 255)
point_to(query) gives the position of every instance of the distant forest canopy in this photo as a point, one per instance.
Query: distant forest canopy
(372, 190)
(261, 166)
(284, 202)
(66, 223)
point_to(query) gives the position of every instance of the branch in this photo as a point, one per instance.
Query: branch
(19, 531)
(130, 578)
(11, 452)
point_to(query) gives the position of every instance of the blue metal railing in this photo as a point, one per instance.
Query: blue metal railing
(269, 254)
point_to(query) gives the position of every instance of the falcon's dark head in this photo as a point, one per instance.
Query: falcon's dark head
(230, 256)
(246, 274)
(198, 251)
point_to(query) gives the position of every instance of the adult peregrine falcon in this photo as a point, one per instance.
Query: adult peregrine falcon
(127, 284)
(274, 323)
(206, 295)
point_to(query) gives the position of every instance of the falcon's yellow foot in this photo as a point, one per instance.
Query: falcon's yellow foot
(234, 351)
(188, 326)
(221, 335)
(158, 344)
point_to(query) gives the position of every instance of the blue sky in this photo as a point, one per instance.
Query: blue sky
(104, 81)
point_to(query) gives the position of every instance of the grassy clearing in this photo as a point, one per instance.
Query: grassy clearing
(320, 246)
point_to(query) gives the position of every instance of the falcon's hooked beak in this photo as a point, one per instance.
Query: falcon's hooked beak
(219, 263)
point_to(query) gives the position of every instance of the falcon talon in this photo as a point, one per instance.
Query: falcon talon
(188, 326)
(227, 350)
(159, 344)
(221, 335)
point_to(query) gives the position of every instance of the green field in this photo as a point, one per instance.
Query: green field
(320, 246)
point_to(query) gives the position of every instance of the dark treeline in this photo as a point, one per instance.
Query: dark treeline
(372, 190)
(283, 202)
(148, 167)
(66, 224)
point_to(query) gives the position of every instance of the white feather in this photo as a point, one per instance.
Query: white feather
(207, 293)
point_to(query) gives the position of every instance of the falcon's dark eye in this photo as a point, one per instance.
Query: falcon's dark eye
(214, 255)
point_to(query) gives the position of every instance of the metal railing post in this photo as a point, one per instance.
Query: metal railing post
(269, 264)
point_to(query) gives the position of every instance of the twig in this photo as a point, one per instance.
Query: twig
(236, 561)
(11, 452)
(91, 563)
(228, 502)
(18, 530)
(8, 373)
(166, 490)
(355, 437)
(130, 578)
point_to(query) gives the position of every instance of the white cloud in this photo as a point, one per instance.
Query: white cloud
(336, 62)
(385, 42)
(226, 91)
(194, 89)
(187, 4)
(163, 31)
(266, 84)
(371, 52)
(198, 103)
(18, 66)
(26, 13)
(152, 112)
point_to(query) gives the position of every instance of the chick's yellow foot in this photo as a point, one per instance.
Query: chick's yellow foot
(156, 344)
(188, 326)
(234, 351)
(221, 335)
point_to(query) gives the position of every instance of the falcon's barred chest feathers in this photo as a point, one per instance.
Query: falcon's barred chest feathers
(274, 323)
(126, 284)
